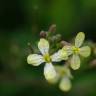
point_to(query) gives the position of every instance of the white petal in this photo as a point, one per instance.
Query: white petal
(43, 46)
(65, 84)
(49, 71)
(54, 80)
(35, 59)
(63, 70)
(79, 39)
(68, 49)
(85, 51)
(59, 56)
(75, 62)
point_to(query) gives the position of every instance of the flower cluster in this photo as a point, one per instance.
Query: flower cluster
(69, 52)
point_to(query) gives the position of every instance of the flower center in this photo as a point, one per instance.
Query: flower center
(75, 49)
(47, 58)
(62, 72)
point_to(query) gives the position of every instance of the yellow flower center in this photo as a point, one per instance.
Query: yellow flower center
(75, 49)
(47, 58)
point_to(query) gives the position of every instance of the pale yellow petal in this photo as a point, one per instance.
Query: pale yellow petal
(75, 62)
(54, 80)
(79, 39)
(64, 55)
(63, 71)
(43, 46)
(59, 56)
(65, 84)
(68, 49)
(49, 71)
(85, 51)
(35, 59)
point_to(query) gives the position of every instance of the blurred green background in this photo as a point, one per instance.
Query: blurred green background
(20, 23)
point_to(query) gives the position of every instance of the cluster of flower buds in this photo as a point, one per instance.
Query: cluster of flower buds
(59, 51)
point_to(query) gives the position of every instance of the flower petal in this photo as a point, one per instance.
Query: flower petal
(85, 51)
(75, 62)
(65, 84)
(35, 59)
(63, 71)
(54, 80)
(68, 49)
(59, 56)
(68, 72)
(79, 39)
(43, 46)
(49, 71)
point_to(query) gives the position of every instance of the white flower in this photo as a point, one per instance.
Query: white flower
(64, 76)
(65, 84)
(77, 50)
(35, 59)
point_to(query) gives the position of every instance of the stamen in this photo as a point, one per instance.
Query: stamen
(47, 58)
(75, 49)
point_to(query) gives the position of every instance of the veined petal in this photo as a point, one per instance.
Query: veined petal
(64, 55)
(35, 59)
(85, 51)
(56, 57)
(79, 39)
(68, 49)
(43, 46)
(59, 56)
(49, 71)
(75, 62)
(65, 84)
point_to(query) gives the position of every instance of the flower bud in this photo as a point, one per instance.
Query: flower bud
(52, 28)
(93, 63)
(30, 47)
(43, 34)
(53, 38)
(58, 37)
(63, 43)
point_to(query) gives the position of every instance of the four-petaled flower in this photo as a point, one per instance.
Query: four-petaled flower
(64, 76)
(77, 50)
(37, 59)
